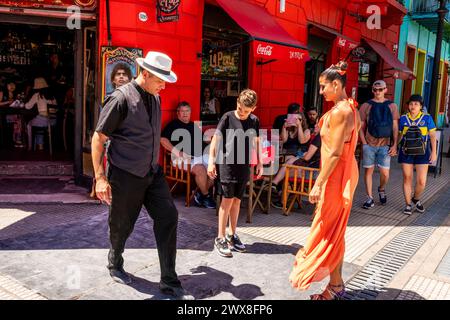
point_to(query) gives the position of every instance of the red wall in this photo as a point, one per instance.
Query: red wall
(277, 83)
(180, 40)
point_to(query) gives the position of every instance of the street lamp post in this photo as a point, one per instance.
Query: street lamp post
(433, 107)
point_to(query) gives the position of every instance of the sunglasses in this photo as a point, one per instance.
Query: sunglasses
(379, 90)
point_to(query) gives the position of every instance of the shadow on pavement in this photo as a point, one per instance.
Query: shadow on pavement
(205, 282)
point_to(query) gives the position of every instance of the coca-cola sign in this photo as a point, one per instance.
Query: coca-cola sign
(267, 50)
(264, 50)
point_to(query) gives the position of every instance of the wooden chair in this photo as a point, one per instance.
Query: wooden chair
(297, 184)
(178, 175)
(52, 111)
(257, 187)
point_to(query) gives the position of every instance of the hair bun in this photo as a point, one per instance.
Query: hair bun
(342, 65)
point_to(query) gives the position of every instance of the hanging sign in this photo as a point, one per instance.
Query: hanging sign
(118, 60)
(167, 10)
(49, 4)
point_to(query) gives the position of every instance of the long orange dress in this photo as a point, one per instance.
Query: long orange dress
(325, 246)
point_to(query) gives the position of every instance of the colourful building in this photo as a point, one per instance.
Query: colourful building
(416, 49)
(278, 48)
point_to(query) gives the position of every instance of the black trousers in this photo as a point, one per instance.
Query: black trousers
(129, 193)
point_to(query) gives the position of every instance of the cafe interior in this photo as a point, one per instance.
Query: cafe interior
(36, 64)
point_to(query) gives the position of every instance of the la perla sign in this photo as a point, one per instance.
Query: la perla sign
(264, 50)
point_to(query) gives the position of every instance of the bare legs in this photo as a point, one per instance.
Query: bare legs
(421, 180)
(201, 178)
(368, 175)
(228, 211)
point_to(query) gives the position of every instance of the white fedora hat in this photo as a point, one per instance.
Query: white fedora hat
(158, 64)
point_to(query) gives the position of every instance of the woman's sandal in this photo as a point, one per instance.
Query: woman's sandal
(335, 295)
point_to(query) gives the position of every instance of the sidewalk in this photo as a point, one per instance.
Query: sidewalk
(58, 251)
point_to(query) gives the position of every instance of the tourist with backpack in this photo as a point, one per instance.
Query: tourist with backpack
(378, 136)
(417, 150)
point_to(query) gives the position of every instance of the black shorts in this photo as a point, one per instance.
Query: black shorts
(231, 189)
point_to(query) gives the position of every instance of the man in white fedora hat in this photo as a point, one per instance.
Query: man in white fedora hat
(131, 119)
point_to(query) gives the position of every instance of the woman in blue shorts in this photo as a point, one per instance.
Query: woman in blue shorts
(415, 117)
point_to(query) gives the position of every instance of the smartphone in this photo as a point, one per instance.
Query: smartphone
(291, 120)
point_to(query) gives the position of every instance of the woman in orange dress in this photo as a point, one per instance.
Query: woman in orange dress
(323, 253)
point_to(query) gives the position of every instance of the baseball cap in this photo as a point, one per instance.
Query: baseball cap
(379, 84)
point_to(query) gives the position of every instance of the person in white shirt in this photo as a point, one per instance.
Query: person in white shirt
(41, 98)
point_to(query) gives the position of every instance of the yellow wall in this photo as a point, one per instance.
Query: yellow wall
(420, 72)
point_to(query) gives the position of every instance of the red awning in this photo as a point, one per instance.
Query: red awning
(400, 70)
(271, 41)
(344, 42)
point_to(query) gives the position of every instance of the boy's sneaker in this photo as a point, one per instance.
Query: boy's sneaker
(369, 204)
(382, 195)
(418, 205)
(407, 210)
(208, 202)
(221, 245)
(235, 243)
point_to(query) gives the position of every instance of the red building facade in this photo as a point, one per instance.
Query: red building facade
(339, 23)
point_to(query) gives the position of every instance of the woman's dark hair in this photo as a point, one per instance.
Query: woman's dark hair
(121, 66)
(417, 98)
(46, 93)
(293, 107)
(336, 72)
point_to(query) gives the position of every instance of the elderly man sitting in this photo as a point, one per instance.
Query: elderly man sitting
(190, 148)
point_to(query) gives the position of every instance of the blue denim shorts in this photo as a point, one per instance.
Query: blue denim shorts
(376, 156)
(424, 159)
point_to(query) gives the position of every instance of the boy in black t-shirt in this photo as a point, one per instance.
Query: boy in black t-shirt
(230, 159)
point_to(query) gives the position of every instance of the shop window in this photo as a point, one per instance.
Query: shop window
(27, 52)
(224, 64)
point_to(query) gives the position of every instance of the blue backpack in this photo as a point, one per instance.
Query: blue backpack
(380, 119)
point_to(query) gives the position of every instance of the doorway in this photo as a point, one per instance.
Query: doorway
(36, 64)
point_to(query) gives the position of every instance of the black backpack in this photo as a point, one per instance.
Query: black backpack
(413, 143)
(380, 119)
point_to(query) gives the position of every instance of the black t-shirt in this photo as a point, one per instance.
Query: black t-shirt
(233, 159)
(176, 130)
(314, 162)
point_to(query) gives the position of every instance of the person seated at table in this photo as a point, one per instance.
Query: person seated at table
(295, 136)
(293, 108)
(42, 97)
(312, 116)
(9, 98)
(210, 104)
(310, 159)
(183, 127)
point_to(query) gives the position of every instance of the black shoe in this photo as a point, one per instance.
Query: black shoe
(369, 204)
(382, 196)
(120, 276)
(418, 205)
(198, 199)
(177, 292)
(222, 248)
(208, 202)
(235, 243)
(407, 210)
